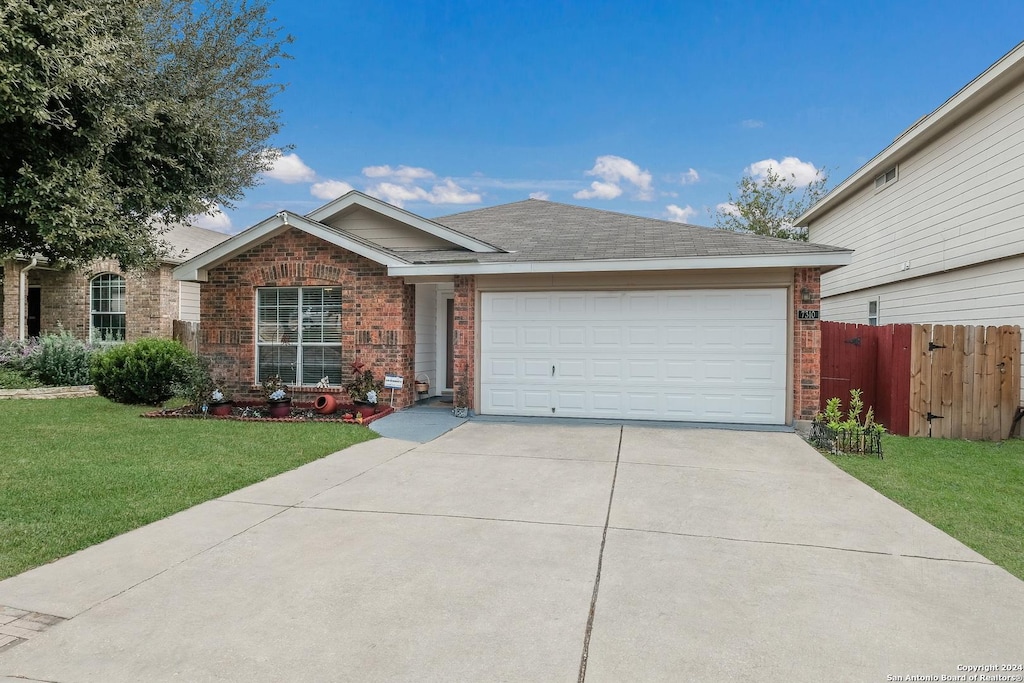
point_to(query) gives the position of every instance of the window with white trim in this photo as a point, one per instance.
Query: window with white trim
(298, 334)
(107, 308)
(873, 312)
(886, 177)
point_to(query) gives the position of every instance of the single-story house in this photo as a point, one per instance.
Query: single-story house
(936, 219)
(101, 302)
(532, 308)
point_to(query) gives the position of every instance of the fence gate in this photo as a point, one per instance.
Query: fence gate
(875, 360)
(186, 332)
(964, 381)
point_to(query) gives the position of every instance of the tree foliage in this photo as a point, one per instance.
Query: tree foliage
(118, 115)
(770, 205)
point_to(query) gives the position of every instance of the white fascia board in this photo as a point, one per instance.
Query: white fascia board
(918, 134)
(355, 197)
(196, 269)
(833, 259)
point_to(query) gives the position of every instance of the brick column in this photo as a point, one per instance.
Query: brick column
(9, 296)
(465, 339)
(806, 344)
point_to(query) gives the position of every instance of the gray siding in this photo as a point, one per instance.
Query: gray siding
(956, 202)
(386, 232)
(188, 301)
(426, 334)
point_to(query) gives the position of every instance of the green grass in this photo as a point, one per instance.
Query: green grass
(974, 491)
(74, 472)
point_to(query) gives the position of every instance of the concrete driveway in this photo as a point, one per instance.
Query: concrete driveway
(504, 552)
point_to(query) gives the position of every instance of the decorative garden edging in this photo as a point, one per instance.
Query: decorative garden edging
(301, 412)
(854, 441)
(49, 392)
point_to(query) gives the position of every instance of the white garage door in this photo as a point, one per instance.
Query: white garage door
(694, 355)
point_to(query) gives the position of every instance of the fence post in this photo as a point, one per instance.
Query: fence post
(186, 332)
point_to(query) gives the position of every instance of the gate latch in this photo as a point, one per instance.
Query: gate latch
(855, 341)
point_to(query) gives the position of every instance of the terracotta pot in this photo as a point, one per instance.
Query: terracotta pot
(220, 409)
(280, 408)
(325, 404)
(366, 409)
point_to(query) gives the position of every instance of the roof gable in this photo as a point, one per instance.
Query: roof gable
(197, 268)
(334, 210)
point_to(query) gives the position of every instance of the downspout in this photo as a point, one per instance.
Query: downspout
(23, 297)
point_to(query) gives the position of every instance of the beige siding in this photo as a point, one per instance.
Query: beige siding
(956, 202)
(387, 232)
(777, 277)
(188, 301)
(426, 334)
(988, 294)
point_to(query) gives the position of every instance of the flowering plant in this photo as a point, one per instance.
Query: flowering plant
(218, 396)
(363, 387)
(275, 389)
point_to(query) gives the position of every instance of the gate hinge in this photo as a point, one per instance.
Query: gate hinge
(932, 346)
(932, 416)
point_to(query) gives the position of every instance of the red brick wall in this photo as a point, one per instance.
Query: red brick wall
(806, 344)
(465, 339)
(378, 311)
(151, 299)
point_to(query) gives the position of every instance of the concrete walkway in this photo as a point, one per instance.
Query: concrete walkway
(527, 553)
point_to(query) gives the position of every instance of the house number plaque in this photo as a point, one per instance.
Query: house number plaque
(808, 315)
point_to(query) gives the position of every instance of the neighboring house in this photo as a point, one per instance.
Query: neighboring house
(101, 302)
(530, 308)
(936, 219)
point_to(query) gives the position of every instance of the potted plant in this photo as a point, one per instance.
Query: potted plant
(278, 400)
(219, 404)
(364, 389)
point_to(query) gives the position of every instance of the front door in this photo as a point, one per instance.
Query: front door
(34, 311)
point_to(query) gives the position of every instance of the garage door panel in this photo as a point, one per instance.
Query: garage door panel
(702, 355)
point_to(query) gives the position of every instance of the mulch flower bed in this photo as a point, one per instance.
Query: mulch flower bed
(258, 412)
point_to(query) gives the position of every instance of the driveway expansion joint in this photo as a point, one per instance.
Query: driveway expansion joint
(441, 515)
(801, 545)
(584, 656)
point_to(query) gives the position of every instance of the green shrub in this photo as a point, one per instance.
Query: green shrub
(61, 360)
(145, 372)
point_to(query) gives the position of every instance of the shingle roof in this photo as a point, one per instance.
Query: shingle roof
(187, 241)
(538, 230)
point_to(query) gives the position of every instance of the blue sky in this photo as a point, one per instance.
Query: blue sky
(650, 108)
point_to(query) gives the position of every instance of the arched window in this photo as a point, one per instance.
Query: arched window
(106, 307)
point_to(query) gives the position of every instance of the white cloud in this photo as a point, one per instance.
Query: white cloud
(446, 192)
(330, 189)
(613, 170)
(790, 168)
(728, 209)
(689, 177)
(599, 190)
(680, 214)
(540, 195)
(403, 174)
(215, 219)
(751, 123)
(290, 169)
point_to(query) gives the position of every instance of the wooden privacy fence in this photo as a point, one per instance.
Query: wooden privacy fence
(186, 332)
(950, 381)
(964, 381)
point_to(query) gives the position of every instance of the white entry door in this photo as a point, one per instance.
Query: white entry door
(688, 355)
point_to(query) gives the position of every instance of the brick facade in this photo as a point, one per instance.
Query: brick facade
(465, 341)
(151, 299)
(377, 321)
(806, 344)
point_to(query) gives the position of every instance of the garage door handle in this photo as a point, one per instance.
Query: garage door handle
(552, 370)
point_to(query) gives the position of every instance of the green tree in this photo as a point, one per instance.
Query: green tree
(770, 205)
(117, 115)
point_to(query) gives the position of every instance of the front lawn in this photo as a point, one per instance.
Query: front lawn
(974, 491)
(74, 472)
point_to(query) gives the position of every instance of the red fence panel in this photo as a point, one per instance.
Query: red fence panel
(875, 360)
